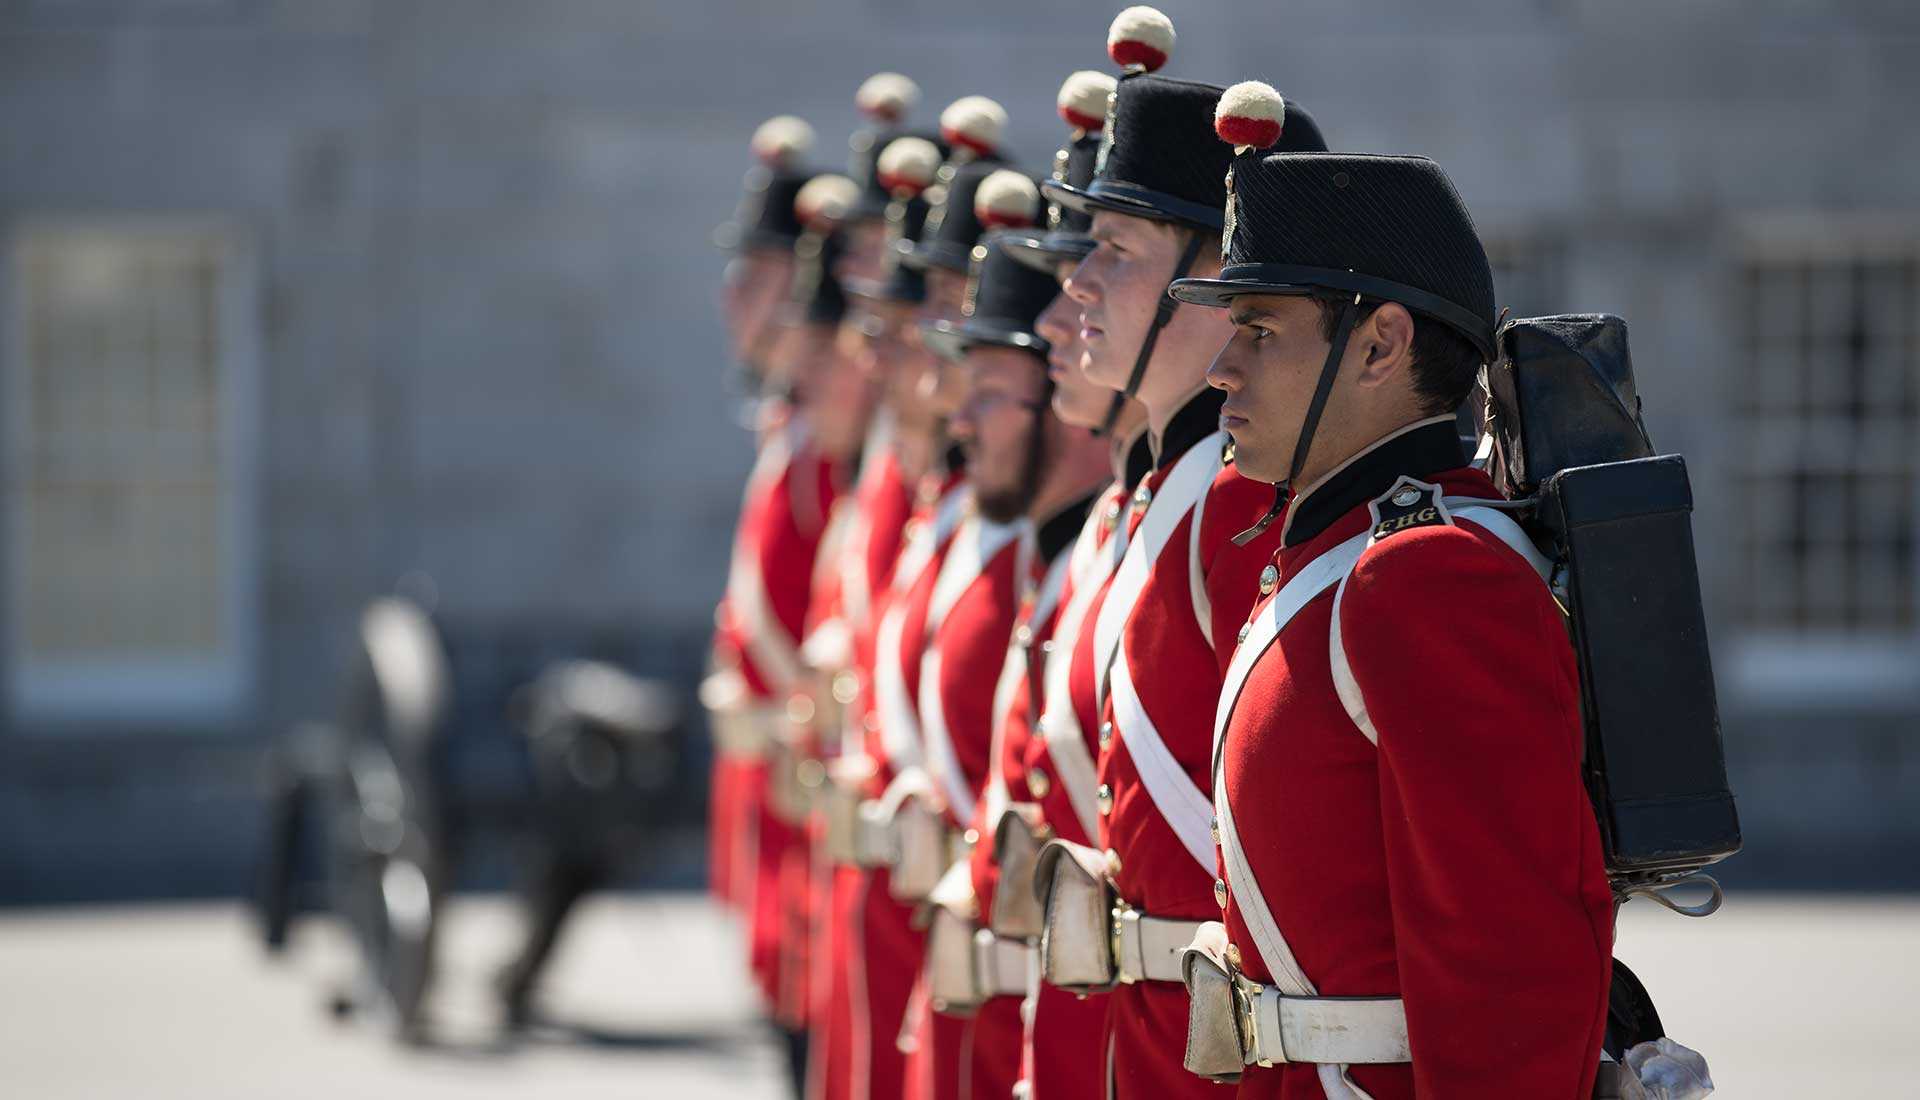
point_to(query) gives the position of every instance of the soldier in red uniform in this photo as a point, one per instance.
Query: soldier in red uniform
(1166, 623)
(1028, 466)
(881, 945)
(758, 281)
(1413, 891)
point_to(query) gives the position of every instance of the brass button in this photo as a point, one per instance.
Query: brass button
(1142, 496)
(1023, 637)
(971, 836)
(1113, 862)
(799, 709)
(1244, 631)
(1213, 826)
(872, 722)
(1039, 733)
(1233, 956)
(1111, 517)
(1220, 893)
(1269, 579)
(1104, 796)
(1038, 784)
(1106, 734)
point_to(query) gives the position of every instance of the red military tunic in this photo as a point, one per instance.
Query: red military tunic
(882, 504)
(1062, 1058)
(886, 946)
(768, 587)
(1169, 621)
(970, 622)
(1456, 864)
(1064, 541)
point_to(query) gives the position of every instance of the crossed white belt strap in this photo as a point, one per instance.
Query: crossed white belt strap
(1291, 1021)
(1184, 805)
(974, 546)
(1013, 672)
(894, 705)
(1073, 765)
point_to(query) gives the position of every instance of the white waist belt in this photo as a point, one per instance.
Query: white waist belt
(1321, 1030)
(1147, 949)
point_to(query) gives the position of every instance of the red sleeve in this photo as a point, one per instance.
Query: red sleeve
(1501, 912)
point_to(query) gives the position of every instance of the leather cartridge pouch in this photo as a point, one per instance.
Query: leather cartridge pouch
(921, 836)
(1215, 1049)
(1017, 913)
(1076, 946)
(874, 844)
(951, 982)
(840, 805)
(787, 793)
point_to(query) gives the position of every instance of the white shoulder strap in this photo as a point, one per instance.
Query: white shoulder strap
(893, 704)
(975, 545)
(1013, 673)
(1497, 523)
(1073, 765)
(1183, 488)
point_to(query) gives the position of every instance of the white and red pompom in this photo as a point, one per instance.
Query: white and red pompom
(1250, 115)
(907, 166)
(974, 123)
(824, 200)
(782, 140)
(1140, 38)
(1006, 200)
(886, 97)
(1083, 100)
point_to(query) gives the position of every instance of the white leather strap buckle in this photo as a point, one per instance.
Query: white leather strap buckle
(1000, 965)
(1147, 949)
(1320, 1030)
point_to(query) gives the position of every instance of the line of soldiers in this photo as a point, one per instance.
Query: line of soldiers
(1125, 682)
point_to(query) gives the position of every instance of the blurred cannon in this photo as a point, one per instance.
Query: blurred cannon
(604, 757)
(369, 816)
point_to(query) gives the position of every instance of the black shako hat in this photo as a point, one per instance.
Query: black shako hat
(817, 295)
(1161, 158)
(1390, 228)
(765, 218)
(1083, 104)
(905, 168)
(953, 228)
(1004, 299)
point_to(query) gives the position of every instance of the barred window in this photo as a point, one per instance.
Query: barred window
(127, 386)
(1827, 403)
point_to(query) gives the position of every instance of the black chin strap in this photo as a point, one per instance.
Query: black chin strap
(1318, 405)
(1168, 303)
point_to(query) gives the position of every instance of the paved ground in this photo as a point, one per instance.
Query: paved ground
(1789, 997)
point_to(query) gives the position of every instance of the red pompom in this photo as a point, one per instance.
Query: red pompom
(1129, 52)
(1256, 132)
(1093, 124)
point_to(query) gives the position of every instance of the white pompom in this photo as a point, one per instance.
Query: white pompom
(782, 140)
(1083, 100)
(1250, 115)
(824, 199)
(1006, 200)
(907, 166)
(1140, 37)
(887, 97)
(975, 123)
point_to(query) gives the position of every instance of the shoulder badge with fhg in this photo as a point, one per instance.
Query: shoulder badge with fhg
(1407, 505)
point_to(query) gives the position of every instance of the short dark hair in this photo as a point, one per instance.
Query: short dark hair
(1445, 364)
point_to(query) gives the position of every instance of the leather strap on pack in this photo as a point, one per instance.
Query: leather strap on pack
(1161, 315)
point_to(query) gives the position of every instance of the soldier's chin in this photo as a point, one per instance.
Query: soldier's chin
(999, 505)
(1252, 460)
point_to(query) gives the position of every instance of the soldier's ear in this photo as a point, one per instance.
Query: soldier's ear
(1385, 345)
